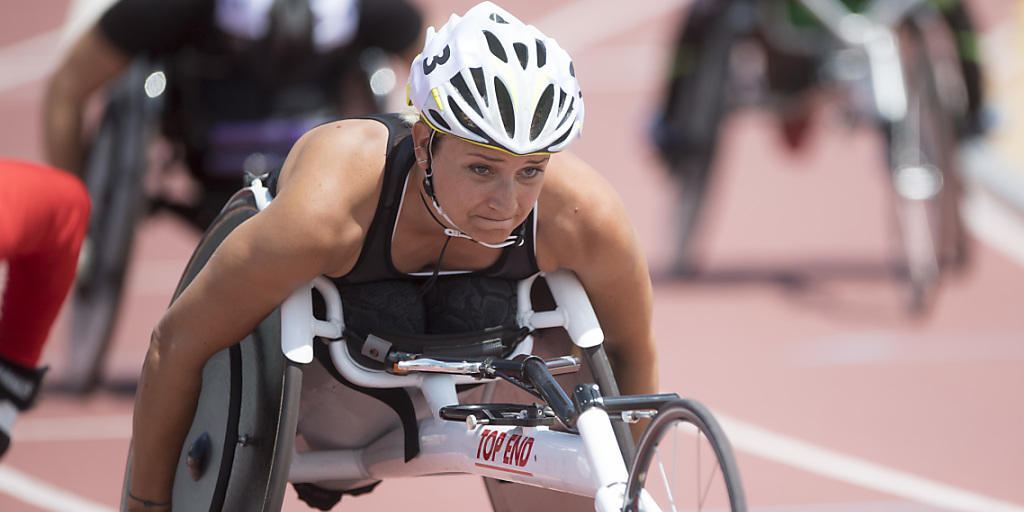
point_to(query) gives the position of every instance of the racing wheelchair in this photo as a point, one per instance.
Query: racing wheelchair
(116, 169)
(304, 400)
(907, 68)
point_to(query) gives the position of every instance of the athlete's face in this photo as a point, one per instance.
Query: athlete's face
(486, 192)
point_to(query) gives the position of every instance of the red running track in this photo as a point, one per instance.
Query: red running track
(834, 398)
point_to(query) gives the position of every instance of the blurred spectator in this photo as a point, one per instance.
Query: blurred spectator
(43, 217)
(244, 78)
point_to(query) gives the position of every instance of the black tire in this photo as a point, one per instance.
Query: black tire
(113, 174)
(931, 230)
(729, 489)
(242, 435)
(698, 108)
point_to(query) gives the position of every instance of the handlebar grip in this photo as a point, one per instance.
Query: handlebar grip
(536, 371)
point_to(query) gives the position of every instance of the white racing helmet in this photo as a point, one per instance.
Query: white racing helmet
(490, 79)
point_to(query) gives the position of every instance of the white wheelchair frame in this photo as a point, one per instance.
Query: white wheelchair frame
(588, 464)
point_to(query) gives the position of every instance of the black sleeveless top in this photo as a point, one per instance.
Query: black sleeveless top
(374, 264)
(376, 295)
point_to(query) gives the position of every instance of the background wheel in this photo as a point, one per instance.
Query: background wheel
(925, 175)
(238, 450)
(697, 107)
(113, 175)
(685, 462)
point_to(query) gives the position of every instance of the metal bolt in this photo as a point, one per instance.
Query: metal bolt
(472, 422)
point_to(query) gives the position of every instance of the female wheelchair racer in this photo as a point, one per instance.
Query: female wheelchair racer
(307, 399)
(473, 190)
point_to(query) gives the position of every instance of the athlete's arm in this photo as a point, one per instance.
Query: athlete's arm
(591, 235)
(306, 231)
(92, 62)
(126, 29)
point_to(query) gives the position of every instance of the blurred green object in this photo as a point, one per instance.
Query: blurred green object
(802, 18)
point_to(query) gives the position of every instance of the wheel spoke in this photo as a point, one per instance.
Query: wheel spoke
(703, 495)
(675, 453)
(666, 482)
(707, 488)
(700, 503)
(675, 493)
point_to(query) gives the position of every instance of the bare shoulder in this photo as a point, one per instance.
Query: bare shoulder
(348, 153)
(579, 211)
(330, 184)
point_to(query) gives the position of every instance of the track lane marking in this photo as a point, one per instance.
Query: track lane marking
(821, 461)
(43, 495)
(747, 437)
(996, 220)
(28, 60)
(744, 436)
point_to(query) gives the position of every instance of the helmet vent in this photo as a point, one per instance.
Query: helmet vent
(495, 46)
(543, 111)
(561, 98)
(505, 108)
(560, 139)
(460, 84)
(542, 54)
(568, 111)
(465, 121)
(481, 86)
(522, 53)
(495, 17)
(572, 70)
(438, 120)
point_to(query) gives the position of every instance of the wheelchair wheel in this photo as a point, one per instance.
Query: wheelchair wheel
(113, 175)
(685, 462)
(697, 114)
(925, 177)
(238, 450)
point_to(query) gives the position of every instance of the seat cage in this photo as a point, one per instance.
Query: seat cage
(299, 328)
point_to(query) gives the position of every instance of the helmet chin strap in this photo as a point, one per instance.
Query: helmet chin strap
(454, 230)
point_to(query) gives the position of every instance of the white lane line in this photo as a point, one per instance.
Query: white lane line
(81, 14)
(995, 219)
(78, 428)
(744, 436)
(32, 59)
(853, 470)
(43, 495)
(28, 60)
(995, 223)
